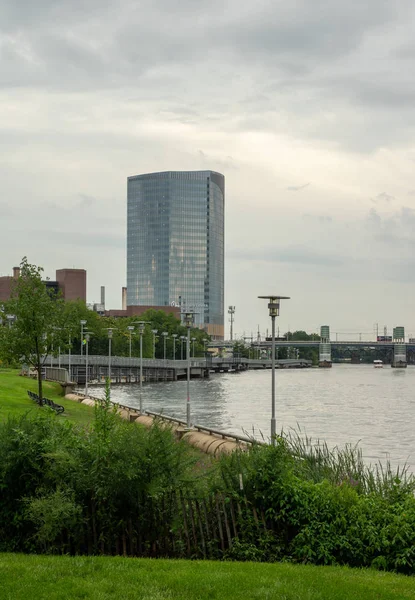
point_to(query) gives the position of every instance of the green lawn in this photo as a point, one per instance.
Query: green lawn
(14, 400)
(53, 578)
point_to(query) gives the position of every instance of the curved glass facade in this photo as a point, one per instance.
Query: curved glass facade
(175, 243)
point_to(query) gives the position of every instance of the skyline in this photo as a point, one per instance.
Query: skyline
(308, 111)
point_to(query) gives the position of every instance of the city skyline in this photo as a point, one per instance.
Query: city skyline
(308, 110)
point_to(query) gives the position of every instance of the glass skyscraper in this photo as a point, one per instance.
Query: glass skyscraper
(175, 243)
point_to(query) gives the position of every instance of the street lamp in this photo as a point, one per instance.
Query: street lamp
(110, 332)
(274, 311)
(164, 334)
(69, 357)
(83, 322)
(130, 329)
(231, 312)
(87, 337)
(182, 338)
(154, 331)
(174, 336)
(141, 328)
(188, 321)
(193, 340)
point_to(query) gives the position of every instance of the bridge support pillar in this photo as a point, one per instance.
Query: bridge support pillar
(399, 356)
(324, 351)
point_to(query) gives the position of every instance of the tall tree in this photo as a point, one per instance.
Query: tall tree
(40, 321)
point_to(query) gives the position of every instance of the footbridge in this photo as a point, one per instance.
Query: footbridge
(122, 369)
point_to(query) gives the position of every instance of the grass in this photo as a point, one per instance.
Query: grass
(101, 578)
(14, 400)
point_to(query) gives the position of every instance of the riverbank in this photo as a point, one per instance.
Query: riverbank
(45, 577)
(14, 400)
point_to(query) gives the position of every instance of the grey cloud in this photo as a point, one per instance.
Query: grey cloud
(297, 188)
(299, 58)
(84, 239)
(301, 256)
(323, 219)
(396, 228)
(383, 197)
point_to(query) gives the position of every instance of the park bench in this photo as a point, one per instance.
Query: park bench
(57, 407)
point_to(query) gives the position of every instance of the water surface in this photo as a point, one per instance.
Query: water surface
(345, 404)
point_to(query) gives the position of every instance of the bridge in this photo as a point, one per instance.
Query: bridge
(396, 343)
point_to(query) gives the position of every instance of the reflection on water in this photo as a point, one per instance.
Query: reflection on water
(345, 404)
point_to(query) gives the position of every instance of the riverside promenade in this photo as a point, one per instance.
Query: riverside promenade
(122, 369)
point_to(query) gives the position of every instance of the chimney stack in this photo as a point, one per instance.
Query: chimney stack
(124, 298)
(103, 296)
(16, 272)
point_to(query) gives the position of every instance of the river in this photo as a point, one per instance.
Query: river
(345, 404)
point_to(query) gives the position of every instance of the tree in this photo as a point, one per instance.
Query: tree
(40, 321)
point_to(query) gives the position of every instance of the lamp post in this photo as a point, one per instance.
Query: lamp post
(274, 311)
(231, 312)
(130, 329)
(182, 338)
(86, 363)
(110, 332)
(141, 328)
(164, 334)
(69, 357)
(154, 331)
(193, 340)
(83, 322)
(188, 321)
(174, 336)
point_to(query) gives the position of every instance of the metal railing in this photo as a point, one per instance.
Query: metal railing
(222, 434)
(125, 361)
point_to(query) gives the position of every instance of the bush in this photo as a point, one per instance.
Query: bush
(67, 487)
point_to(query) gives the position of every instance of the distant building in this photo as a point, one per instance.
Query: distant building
(175, 244)
(6, 284)
(71, 283)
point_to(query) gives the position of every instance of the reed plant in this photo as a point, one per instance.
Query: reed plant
(318, 462)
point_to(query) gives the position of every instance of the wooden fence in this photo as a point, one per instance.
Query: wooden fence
(170, 526)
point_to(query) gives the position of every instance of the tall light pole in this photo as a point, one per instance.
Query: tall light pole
(110, 332)
(154, 331)
(86, 363)
(182, 339)
(130, 329)
(231, 312)
(193, 340)
(174, 336)
(83, 322)
(164, 334)
(188, 321)
(69, 357)
(141, 328)
(274, 311)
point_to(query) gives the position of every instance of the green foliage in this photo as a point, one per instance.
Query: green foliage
(60, 483)
(40, 322)
(314, 509)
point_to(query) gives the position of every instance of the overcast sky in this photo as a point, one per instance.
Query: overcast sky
(307, 108)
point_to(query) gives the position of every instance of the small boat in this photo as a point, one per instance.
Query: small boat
(378, 364)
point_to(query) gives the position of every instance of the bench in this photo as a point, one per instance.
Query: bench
(56, 407)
